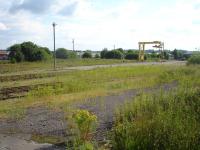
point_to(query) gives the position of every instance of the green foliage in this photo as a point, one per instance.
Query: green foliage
(15, 54)
(86, 124)
(114, 54)
(131, 55)
(165, 121)
(120, 49)
(97, 56)
(103, 53)
(166, 55)
(87, 54)
(28, 51)
(195, 59)
(63, 53)
(178, 55)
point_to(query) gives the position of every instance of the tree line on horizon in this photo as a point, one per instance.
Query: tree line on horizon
(28, 51)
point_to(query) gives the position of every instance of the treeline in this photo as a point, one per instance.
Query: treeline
(28, 51)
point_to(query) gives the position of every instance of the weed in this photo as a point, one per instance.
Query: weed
(86, 124)
(164, 121)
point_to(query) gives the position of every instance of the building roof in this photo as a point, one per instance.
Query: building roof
(4, 52)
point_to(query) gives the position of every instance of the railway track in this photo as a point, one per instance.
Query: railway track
(25, 77)
(22, 91)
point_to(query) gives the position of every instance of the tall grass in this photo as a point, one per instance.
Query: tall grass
(162, 120)
(80, 85)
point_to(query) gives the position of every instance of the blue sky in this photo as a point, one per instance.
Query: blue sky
(95, 24)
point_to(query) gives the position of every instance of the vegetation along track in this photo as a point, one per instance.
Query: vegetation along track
(21, 91)
(26, 76)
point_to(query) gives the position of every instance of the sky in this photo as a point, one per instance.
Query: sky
(98, 24)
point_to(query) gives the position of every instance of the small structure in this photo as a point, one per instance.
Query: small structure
(4, 54)
(158, 44)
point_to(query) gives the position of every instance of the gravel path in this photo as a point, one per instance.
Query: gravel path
(42, 121)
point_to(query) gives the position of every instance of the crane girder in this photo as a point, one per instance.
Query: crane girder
(158, 44)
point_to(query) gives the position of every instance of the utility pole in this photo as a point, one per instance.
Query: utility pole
(73, 43)
(114, 47)
(54, 47)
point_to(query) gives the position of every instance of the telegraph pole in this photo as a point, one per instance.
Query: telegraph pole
(114, 47)
(73, 43)
(54, 47)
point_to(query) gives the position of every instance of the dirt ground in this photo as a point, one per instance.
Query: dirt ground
(43, 121)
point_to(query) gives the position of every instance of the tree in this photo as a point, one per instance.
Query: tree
(131, 55)
(28, 51)
(15, 54)
(40, 54)
(103, 53)
(120, 49)
(87, 54)
(166, 55)
(114, 54)
(178, 55)
(61, 53)
(97, 56)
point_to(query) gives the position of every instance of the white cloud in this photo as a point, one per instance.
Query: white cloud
(176, 22)
(3, 26)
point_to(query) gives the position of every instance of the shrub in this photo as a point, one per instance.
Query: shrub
(131, 55)
(97, 56)
(61, 53)
(28, 51)
(39, 55)
(114, 54)
(194, 59)
(86, 124)
(103, 53)
(159, 122)
(87, 54)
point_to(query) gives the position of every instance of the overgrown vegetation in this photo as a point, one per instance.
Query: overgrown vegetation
(155, 121)
(35, 67)
(78, 85)
(162, 120)
(195, 59)
(85, 123)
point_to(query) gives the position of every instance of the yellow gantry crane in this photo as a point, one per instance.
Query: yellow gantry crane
(158, 44)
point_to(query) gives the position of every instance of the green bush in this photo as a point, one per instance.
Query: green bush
(131, 55)
(194, 59)
(159, 122)
(97, 56)
(87, 54)
(28, 51)
(114, 54)
(61, 53)
(103, 53)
